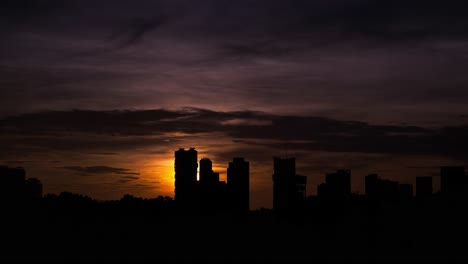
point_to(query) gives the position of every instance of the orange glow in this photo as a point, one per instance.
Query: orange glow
(165, 175)
(158, 173)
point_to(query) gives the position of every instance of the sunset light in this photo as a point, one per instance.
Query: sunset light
(223, 129)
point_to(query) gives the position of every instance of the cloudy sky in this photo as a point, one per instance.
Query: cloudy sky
(96, 96)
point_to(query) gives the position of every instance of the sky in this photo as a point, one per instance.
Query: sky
(95, 96)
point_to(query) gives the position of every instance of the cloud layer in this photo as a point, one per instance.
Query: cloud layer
(245, 127)
(386, 61)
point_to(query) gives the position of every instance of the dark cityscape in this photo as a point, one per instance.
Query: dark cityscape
(233, 131)
(208, 218)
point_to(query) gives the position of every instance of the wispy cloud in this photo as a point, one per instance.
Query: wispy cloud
(100, 170)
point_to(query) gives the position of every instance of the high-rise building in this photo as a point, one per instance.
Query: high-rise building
(423, 186)
(238, 184)
(207, 175)
(209, 185)
(301, 184)
(12, 183)
(372, 185)
(186, 187)
(284, 184)
(206, 170)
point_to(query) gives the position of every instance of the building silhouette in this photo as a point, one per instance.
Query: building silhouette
(288, 187)
(322, 190)
(337, 185)
(209, 194)
(206, 170)
(238, 174)
(12, 183)
(387, 190)
(381, 189)
(15, 188)
(372, 185)
(209, 186)
(405, 191)
(284, 185)
(423, 186)
(186, 185)
(301, 184)
(222, 197)
(453, 180)
(33, 188)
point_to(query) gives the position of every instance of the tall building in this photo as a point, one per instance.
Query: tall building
(186, 187)
(423, 186)
(207, 175)
(12, 183)
(453, 180)
(301, 184)
(284, 184)
(206, 169)
(209, 185)
(238, 184)
(372, 185)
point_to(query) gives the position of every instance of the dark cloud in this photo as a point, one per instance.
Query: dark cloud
(283, 56)
(384, 20)
(130, 177)
(100, 170)
(30, 161)
(278, 20)
(324, 22)
(301, 133)
(123, 122)
(251, 50)
(338, 136)
(24, 11)
(135, 32)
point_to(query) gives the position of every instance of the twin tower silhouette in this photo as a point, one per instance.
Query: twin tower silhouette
(210, 194)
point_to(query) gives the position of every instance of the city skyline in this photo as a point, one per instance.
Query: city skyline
(94, 96)
(233, 130)
(356, 185)
(208, 217)
(198, 187)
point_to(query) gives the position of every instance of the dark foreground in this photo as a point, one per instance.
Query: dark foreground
(147, 231)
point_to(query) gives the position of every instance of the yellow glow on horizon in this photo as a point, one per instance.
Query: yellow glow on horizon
(161, 172)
